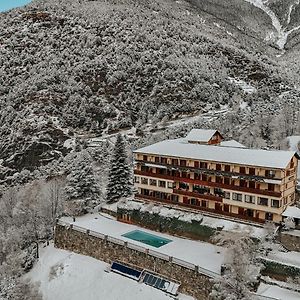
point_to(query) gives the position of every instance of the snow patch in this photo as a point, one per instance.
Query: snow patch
(77, 277)
(246, 87)
(282, 34)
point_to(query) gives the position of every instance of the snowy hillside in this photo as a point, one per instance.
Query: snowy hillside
(69, 276)
(74, 70)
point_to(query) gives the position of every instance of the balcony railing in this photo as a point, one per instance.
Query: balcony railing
(210, 184)
(199, 208)
(198, 195)
(209, 171)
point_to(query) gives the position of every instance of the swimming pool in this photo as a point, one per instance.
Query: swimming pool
(147, 238)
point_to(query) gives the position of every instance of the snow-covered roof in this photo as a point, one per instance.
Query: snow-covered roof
(292, 211)
(232, 143)
(200, 135)
(244, 156)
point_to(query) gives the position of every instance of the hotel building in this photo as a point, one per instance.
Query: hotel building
(203, 172)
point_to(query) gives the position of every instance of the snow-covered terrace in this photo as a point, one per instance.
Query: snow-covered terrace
(207, 257)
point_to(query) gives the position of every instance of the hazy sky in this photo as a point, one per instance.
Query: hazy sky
(8, 4)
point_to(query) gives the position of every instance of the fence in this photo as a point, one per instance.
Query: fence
(141, 249)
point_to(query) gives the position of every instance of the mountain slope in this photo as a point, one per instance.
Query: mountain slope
(73, 69)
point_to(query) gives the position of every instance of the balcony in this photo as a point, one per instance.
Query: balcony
(199, 208)
(198, 195)
(211, 184)
(208, 171)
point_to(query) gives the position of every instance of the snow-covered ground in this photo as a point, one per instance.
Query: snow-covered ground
(246, 87)
(202, 254)
(64, 275)
(291, 258)
(293, 142)
(276, 292)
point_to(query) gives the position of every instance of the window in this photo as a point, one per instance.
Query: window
(203, 165)
(182, 163)
(219, 179)
(145, 157)
(275, 203)
(200, 189)
(144, 180)
(243, 170)
(170, 184)
(174, 198)
(252, 171)
(226, 180)
(269, 216)
(227, 168)
(136, 179)
(271, 187)
(164, 160)
(161, 171)
(204, 177)
(218, 167)
(252, 184)
(269, 173)
(174, 162)
(152, 182)
(196, 164)
(243, 183)
(227, 195)
(237, 197)
(204, 203)
(249, 199)
(184, 175)
(263, 201)
(219, 192)
(292, 197)
(186, 200)
(183, 186)
(161, 183)
(195, 201)
(196, 176)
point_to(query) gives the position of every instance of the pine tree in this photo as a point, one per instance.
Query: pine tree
(81, 182)
(119, 184)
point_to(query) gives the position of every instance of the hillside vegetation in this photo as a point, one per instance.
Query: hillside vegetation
(74, 69)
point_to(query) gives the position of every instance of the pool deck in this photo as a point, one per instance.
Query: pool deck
(203, 254)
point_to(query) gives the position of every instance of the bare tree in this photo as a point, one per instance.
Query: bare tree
(241, 269)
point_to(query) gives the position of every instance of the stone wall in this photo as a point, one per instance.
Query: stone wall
(192, 282)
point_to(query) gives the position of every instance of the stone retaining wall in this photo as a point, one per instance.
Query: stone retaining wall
(192, 282)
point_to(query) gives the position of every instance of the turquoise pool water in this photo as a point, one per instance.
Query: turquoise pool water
(147, 238)
(9, 4)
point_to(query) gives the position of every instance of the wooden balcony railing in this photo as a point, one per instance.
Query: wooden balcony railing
(210, 184)
(198, 195)
(210, 171)
(199, 208)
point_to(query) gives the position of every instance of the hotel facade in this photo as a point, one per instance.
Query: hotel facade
(204, 173)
